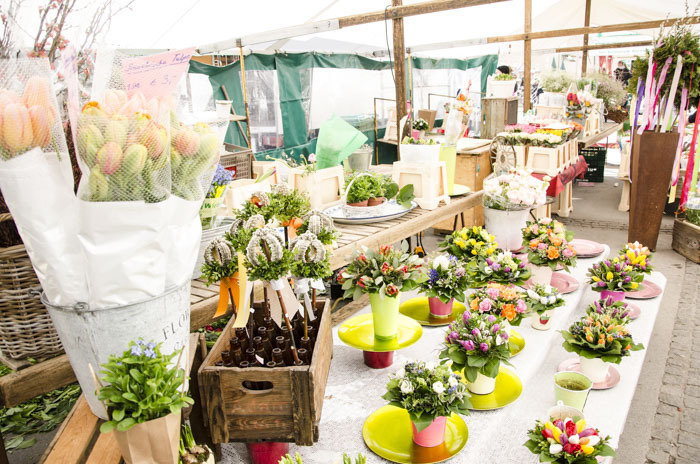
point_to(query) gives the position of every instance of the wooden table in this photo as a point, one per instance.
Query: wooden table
(607, 129)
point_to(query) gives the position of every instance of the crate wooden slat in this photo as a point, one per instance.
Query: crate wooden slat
(686, 239)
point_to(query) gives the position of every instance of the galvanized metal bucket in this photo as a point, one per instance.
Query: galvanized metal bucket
(90, 336)
(359, 160)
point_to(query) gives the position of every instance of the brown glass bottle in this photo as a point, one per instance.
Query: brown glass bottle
(312, 336)
(304, 356)
(267, 345)
(278, 357)
(271, 327)
(242, 337)
(219, 364)
(284, 331)
(236, 355)
(305, 342)
(283, 345)
(260, 350)
(226, 358)
(270, 364)
(250, 358)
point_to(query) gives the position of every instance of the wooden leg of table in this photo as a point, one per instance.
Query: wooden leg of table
(454, 224)
(3, 453)
(625, 196)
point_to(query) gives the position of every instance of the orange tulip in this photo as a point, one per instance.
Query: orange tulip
(7, 97)
(552, 253)
(41, 130)
(114, 100)
(187, 142)
(508, 311)
(37, 91)
(556, 241)
(16, 132)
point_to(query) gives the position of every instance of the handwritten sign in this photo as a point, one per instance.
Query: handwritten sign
(156, 75)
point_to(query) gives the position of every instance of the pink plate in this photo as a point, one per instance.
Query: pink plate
(587, 248)
(649, 290)
(523, 259)
(564, 282)
(612, 379)
(634, 311)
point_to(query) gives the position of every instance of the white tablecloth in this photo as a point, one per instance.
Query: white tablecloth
(354, 390)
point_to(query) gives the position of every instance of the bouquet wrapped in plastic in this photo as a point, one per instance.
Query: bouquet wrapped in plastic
(514, 190)
(36, 177)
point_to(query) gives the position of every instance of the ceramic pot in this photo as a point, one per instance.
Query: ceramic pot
(385, 315)
(375, 201)
(267, 452)
(378, 360)
(571, 389)
(506, 226)
(615, 295)
(482, 385)
(440, 309)
(359, 204)
(541, 274)
(539, 324)
(432, 435)
(595, 369)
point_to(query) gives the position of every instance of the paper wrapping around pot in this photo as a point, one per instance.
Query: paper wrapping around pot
(184, 235)
(152, 442)
(38, 190)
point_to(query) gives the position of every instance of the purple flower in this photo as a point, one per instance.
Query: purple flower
(504, 335)
(476, 332)
(595, 266)
(484, 347)
(468, 345)
(607, 263)
(506, 269)
(628, 279)
(491, 318)
(485, 305)
(521, 265)
(136, 350)
(151, 346)
(433, 276)
(460, 272)
(617, 267)
(452, 258)
(150, 353)
(466, 316)
(495, 266)
(488, 261)
(601, 284)
(495, 328)
(520, 306)
(453, 335)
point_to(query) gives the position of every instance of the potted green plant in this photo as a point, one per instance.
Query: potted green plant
(143, 394)
(503, 85)
(447, 281)
(358, 190)
(567, 441)
(469, 244)
(383, 274)
(613, 277)
(477, 344)
(599, 339)
(542, 300)
(420, 125)
(376, 190)
(430, 393)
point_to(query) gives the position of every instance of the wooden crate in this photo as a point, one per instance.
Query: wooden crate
(470, 170)
(325, 187)
(288, 411)
(497, 113)
(686, 239)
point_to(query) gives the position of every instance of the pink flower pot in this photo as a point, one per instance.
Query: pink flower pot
(440, 309)
(432, 435)
(267, 452)
(378, 360)
(615, 295)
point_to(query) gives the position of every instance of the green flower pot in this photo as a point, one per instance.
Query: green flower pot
(385, 315)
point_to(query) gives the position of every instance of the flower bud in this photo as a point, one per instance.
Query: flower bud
(187, 142)
(116, 130)
(37, 92)
(134, 160)
(16, 134)
(92, 113)
(98, 185)
(209, 147)
(109, 158)
(155, 139)
(41, 130)
(90, 140)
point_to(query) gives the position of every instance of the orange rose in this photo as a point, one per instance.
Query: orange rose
(533, 244)
(508, 293)
(474, 305)
(508, 311)
(552, 253)
(556, 241)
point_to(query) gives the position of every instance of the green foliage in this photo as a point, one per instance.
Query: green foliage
(420, 124)
(611, 90)
(617, 311)
(140, 386)
(190, 451)
(213, 331)
(504, 77)
(680, 40)
(288, 459)
(290, 205)
(413, 141)
(476, 343)
(387, 271)
(599, 336)
(270, 270)
(427, 391)
(502, 267)
(405, 196)
(214, 272)
(469, 243)
(614, 275)
(320, 270)
(41, 414)
(361, 189)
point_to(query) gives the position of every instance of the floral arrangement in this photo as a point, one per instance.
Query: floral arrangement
(616, 310)
(141, 387)
(463, 104)
(447, 279)
(614, 275)
(214, 195)
(386, 271)
(241, 231)
(638, 257)
(538, 139)
(420, 124)
(427, 391)
(257, 204)
(578, 104)
(541, 298)
(567, 441)
(600, 336)
(502, 267)
(556, 81)
(551, 250)
(267, 258)
(469, 243)
(321, 225)
(504, 77)
(545, 226)
(310, 259)
(220, 261)
(287, 459)
(419, 141)
(610, 90)
(524, 128)
(503, 301)
(287, 204)
(476, 343)
(516, 189)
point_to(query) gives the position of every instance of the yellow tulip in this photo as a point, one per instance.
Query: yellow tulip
(580, 425)
(635, 285)
(587, 450)
(609, 275)
(595, 279)
(474, 252)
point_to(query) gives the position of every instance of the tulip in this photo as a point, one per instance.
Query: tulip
(466, 316)
(555, 448)
(37, 92)
(92, 113)
(41, 130)
(16, 133)
(587, 449)
(484, 347)
(116, 130)
(114, 100)
(187, 142)
(209, 147)
(592, 440)
(547, 433)
(134, 160)
(570, 428)
(587, 432)
(559, 424)
(155, 139)
(90, 140)
(202, 128)
(574, 439)
(468, 345)
(109, 158)
(7, 97)
(98, 185)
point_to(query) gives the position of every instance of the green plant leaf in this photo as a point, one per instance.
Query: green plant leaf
(126, 424)
(108, 426)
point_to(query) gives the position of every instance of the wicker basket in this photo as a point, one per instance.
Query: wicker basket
(26, 330)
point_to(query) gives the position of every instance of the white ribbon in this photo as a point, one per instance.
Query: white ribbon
(301, 288)
(290, 302)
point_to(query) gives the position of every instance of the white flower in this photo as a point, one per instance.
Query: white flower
(453, 381)
(532, 294)
(551, 299)
(573, 439)
(488, 270)
(400, 373)
(430, 365)
(406, 387)
(544, 300)
(593, 440)
(438, 388)
(547, 289)
(441, 262)
(555, 448)
(546, 220)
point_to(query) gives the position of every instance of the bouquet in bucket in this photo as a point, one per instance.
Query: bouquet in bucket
(469, 243)
(477, 344)
(143, 394)
(600, 336)
(542, 300)
(212, 201)
(503, 267)
(33, 147)
(551, 250)
(503, 301)
(427, 391)
(615, 310)
(638, 257)
(514, 190)
(614, 275)
(447, 281)
(545, 227)
(567, 441)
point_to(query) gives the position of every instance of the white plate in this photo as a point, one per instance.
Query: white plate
(391, 210)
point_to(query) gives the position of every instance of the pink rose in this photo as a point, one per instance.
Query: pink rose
(567, 253)
(485, 305)
(535, 229)
(542, 246)
(492, 293)
(520, 306)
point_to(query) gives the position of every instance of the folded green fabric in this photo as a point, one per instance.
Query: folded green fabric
(336, 141)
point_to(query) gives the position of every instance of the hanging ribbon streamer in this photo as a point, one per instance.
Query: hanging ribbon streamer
(691, 165)
(290, 301)
(302, 286)
(665, 125)
(245, 288)
(646, 104)
(679, 149)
